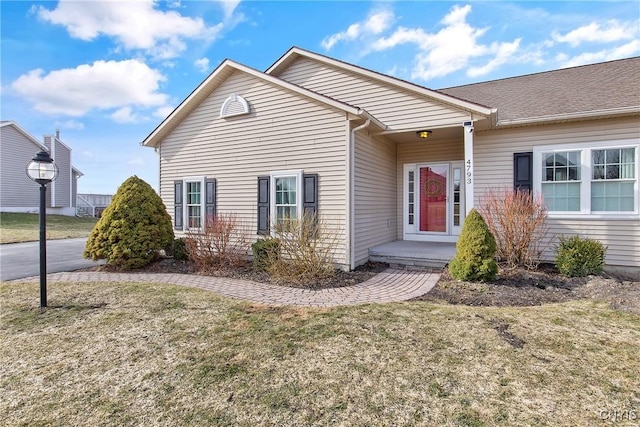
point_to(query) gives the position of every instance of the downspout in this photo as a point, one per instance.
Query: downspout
(352, 194)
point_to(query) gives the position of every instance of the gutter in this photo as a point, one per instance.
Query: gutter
(351, 236)
(569, 116)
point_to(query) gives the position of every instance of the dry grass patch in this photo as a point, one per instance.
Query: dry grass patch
(148, 354)
(19, 227)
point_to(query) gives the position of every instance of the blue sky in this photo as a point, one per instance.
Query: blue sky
(106, 73)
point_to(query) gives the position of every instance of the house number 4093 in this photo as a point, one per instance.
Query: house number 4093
(468, 167)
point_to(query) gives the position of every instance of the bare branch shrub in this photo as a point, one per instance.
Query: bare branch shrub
(222, 243)
(517, 220)
(306, 249)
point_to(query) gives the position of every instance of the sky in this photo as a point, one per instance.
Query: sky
(106, 73)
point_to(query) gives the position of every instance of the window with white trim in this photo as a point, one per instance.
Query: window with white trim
(597, 179)
(286, 200)
(613, 179)
(194, 201)
(194, 204)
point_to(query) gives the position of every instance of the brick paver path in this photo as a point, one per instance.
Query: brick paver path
(389, 286)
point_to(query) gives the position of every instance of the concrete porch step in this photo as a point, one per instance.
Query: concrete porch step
(402, 253)
(402, 262)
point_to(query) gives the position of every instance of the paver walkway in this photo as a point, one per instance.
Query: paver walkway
(389, 286)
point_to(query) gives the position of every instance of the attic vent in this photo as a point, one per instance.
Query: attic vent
(234, 105)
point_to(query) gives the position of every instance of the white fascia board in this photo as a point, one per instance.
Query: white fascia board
(447, 99)
(570, 116)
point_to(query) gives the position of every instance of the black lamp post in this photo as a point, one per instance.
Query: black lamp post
(42, 170)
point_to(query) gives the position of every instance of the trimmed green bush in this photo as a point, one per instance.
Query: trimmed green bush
(264, 250)
(475, 251)
(133, 228)
(179, 250)
(579, 257)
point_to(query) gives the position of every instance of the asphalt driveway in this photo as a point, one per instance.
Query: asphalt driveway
(19, 260)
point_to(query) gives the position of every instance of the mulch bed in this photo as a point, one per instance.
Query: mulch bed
(246, 271)
(522, 287)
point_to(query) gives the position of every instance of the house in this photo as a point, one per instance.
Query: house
(17, 192)
(384, 160)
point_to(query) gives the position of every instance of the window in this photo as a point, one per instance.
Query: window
(591, 178)
(561, 180)
(194, 200)
(613, 180)
(194, 204)
(285, 196)
(285, 203)
(286, 189)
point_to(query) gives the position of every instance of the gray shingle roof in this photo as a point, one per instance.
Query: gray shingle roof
(603, 86)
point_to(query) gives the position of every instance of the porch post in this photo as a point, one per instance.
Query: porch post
(468, 166)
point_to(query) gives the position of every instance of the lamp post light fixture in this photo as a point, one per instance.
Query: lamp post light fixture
(43, 170)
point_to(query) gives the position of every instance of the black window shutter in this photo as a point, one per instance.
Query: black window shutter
(310, 196)
(523, 171)
(177, 205)
(210, 199)
(263, 204)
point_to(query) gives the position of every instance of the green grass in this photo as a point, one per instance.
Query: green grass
(148, 354)
(21, 227)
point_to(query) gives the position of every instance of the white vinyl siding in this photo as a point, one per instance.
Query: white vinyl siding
(283, 131)
(61, 188)
(493, 154)
(375, 194)
(17, 191)
(396, 107)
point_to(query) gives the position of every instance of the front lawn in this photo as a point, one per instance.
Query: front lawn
(148, 354)
(21, 227)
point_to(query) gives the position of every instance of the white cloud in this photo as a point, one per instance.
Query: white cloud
(625, 51)
(70, 124)
(202, 64)
(503, 53)
(134, 24)
(375, 24)
(163, 112)
(125, 115)
(611, 31)
(229, 6)
(450, 49)
(102, 85)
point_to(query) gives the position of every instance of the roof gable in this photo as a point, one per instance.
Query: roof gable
(26, 134)
(589, 90)
(281, 65)
(219, 75)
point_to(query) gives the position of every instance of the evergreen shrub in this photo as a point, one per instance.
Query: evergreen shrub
(263, 251)
(579, 257)
(132, 229)
(180, 249)
(475, 251)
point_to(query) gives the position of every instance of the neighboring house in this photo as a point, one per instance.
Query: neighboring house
(93, 204)
(314, 133)
(18, 193)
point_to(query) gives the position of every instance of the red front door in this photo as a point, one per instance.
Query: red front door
(433, 198)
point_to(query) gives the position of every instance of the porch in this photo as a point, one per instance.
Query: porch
(414, 254)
